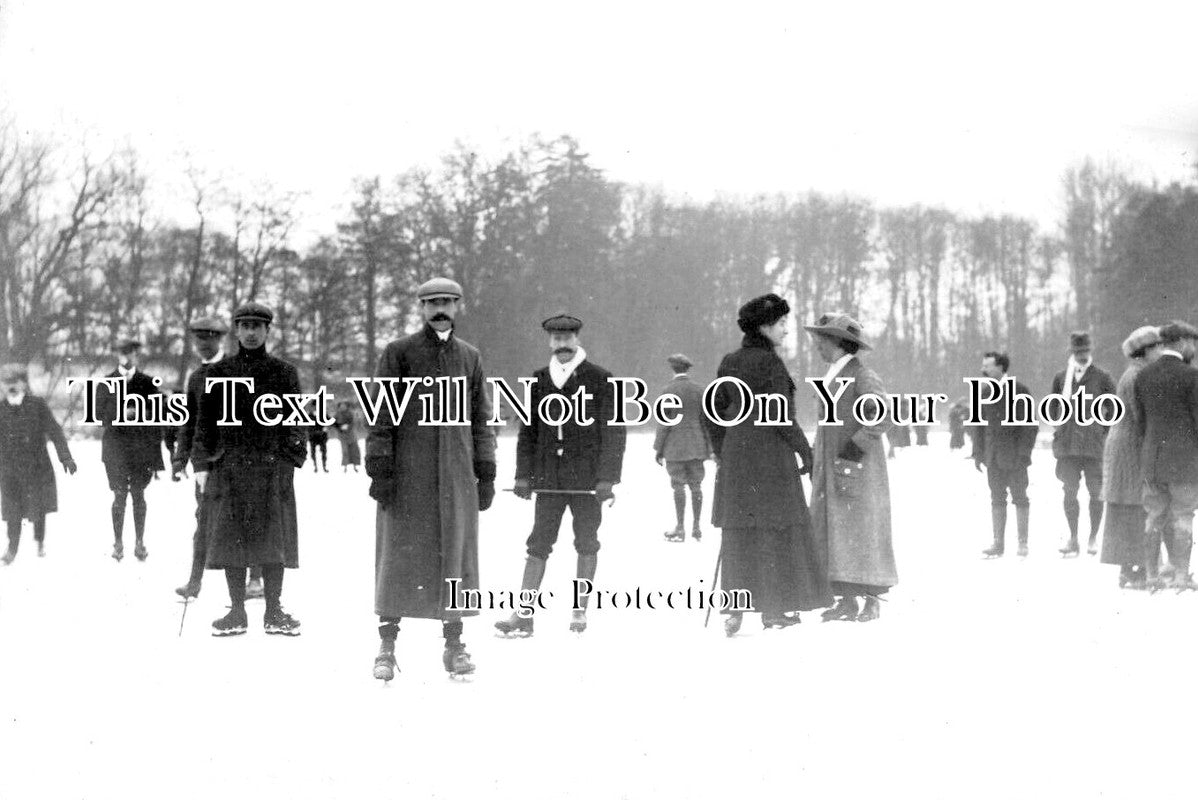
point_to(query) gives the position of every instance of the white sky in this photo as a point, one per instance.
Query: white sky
(978, 110)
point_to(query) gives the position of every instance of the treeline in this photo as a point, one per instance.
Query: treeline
(86, 256)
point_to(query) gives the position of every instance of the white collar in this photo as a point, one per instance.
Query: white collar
(678, 375)
(559, 373)
(1165, 351)
(206, 361)
(443, 335)
(836, 366)
(15, 400)
(126, 373)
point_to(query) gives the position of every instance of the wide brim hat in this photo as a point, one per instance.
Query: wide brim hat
(439, 287)
(562, 323)
(1140, 339)
(840, 326)
(253, 310)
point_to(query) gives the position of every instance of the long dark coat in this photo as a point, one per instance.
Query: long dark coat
(250, 497)
(26, 474)
(1082, 441)
(1166, 412)
(590, 453)
(133, 447)
(1123, 539)
(759, 501)
(1001, 446)
(854, 527)
(688, 440)
(429, 532)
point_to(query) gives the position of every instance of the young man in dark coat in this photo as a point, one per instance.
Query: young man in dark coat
(27, 488)
(248, 485)
(568, 466)
(131, 453)
(1006, 453)
(683, 448)
(430, 481)
(1078, 448)
(1166, 414)
(318, 441)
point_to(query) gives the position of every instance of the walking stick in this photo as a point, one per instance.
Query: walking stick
(715, 576)
(183, 618)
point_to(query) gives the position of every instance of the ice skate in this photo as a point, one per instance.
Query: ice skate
(234, 623)
(732, 624)
(779, 622)
(8, 557)
(1092, 545)
(189, 590)
(384, 663)
(676, 535)
(845, 610)
(1070, 549)
(578, 621)
(993, 551)
(872, 610)
(457, 661)
(697, 534)
(515, 627)
(41, 549)
(278, 622)
(118, 551)
(140, 552)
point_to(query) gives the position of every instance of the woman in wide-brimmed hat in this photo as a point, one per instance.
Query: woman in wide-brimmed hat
(767, 546)
(1123, 539)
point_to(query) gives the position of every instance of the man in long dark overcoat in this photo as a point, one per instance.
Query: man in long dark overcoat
(850, 502)
(430, 481)
(570, 465)
(131, 453)
(249, 493)
(1006, 452)
(1166, 414)
(27, 489)
(684, 447)
(1078, 448)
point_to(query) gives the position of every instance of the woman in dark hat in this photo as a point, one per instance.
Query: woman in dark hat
(1123, 539)
(767, 546)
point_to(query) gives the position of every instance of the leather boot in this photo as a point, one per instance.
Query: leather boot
(844, 610)
(1071, 548)
(1095, 526)
(1183, 544)
(1152, 559)
(1021, 524)
(998, 521)
(515, 625)
(384, 662)
(586, 571)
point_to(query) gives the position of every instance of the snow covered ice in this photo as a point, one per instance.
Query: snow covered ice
(1007, 678)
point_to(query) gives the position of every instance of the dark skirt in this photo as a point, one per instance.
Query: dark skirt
(779, 566)
(1123, 538)
(350, 452)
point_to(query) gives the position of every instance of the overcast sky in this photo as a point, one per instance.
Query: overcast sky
(977, 110)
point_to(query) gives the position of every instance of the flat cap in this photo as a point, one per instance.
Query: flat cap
(208, 325)
(1141, 339)
(1080, 340)
(562, 322)
(253, 310)
(839, 326)
(14, 372)
(439, 287)
(126, 345)
(1177, 330)
(680, 360)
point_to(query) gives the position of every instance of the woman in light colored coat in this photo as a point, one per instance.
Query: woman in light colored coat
(850, 501)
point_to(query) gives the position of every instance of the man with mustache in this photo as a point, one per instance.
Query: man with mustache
(430, 481)
(27, 488)
(583, 459)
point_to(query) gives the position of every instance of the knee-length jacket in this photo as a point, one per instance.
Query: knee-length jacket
(428, 533)
(758, 482)
(1122, 480)
(853, 523)
(134, 447)
(250, 494)
(24, 461)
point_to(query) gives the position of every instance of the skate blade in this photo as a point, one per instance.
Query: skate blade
(461, 677)
(513, 634)
(234, 632)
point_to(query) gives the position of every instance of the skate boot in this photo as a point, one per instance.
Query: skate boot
(1182, 580)
(9, 555)
(872, 610)
(515, 627)
(995, 550)
(456, 660)
(676, 535)
(1092, 545)
(278, 622)
(189, 590)
(697, 534)
(732, 624)
(139, 551)
(998, 522)
(41, 549)
(1021, 525)
(587, 564)
(234, 623)
(845, 610)
(778, 622)
(118, 550)
(384, 663)
(578, 621)
(1070, 549)
(254, 589)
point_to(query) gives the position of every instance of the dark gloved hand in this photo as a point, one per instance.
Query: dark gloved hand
(382, 490)
(486, 494)
(522, 489)
(659, 458)
(603, 491)
(852, 452)
(69, 466)
(381, 470)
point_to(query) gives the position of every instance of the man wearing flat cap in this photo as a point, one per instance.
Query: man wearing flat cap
(430, 481)
(27, 490)
(568, 466)
(206, 336)
(683, 448)
(850, 504)
(1166, 415)
(1078, 448)
(247, 474)
(131, 454)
